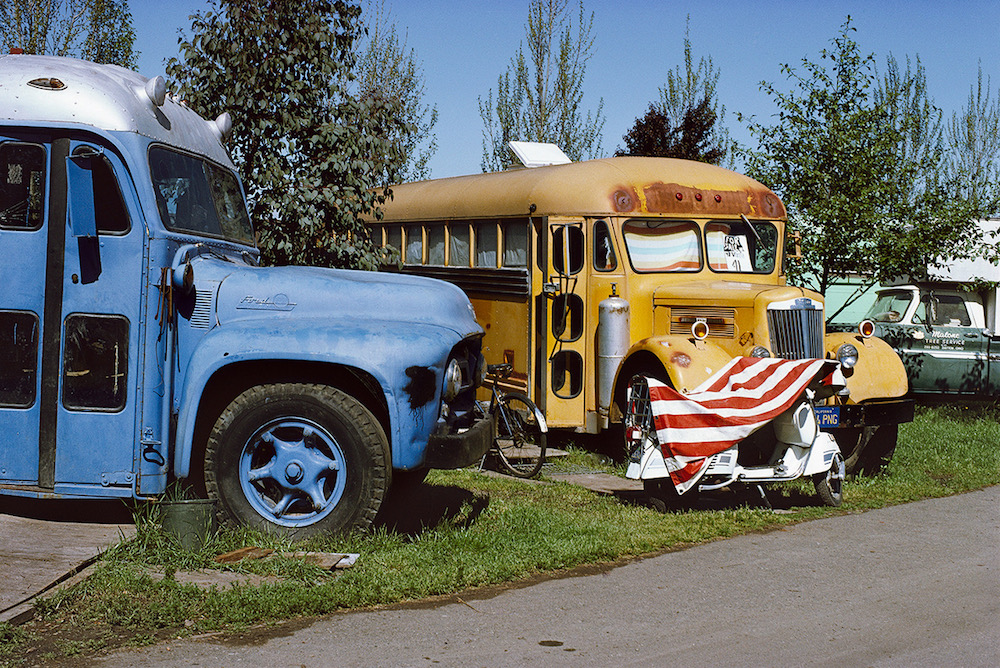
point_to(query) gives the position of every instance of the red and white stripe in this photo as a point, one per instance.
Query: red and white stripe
(738, 400)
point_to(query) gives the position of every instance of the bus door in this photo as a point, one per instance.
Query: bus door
(78, 279)
(565, 289)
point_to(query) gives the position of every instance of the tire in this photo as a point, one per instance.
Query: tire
(298, 460)
(518, 441)
(830, 485)
(867, 451)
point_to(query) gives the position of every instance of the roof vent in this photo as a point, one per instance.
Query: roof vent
(535, 154)
(45, 83)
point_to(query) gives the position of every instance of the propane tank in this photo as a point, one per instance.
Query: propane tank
(613, 339)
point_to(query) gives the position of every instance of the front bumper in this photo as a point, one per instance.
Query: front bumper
(454, 451)
(868, 414)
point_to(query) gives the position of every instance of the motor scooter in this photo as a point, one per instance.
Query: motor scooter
(787, 447)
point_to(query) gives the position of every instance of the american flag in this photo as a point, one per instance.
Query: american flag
(737, 401)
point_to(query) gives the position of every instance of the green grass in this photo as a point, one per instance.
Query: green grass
(462, 530)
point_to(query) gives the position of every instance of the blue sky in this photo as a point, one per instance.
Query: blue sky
(465, 45)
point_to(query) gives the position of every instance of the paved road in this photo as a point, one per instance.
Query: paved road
(914, 585)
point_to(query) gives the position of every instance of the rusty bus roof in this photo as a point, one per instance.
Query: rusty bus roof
(49, 90)
(605, 187)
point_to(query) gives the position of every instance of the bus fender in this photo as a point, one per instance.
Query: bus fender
(687, 362)
(879, 373)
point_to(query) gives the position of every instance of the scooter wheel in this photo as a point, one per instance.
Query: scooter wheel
(830, 485)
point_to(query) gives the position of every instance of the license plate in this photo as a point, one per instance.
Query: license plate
(827, 416)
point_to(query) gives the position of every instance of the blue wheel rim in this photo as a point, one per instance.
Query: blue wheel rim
(292, 472)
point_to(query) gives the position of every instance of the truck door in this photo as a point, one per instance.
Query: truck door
(949, 352)
(565, 338)
(80, 284)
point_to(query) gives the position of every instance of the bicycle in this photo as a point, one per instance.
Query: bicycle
(520, 431)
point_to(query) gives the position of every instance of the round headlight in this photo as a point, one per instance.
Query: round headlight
(452, 380)
(848, 355)
(759, 351)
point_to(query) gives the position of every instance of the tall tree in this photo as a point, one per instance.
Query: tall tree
(308, 150)
(688, 99)
(653, 135)
(973, 140)
(858, 164)
(540, 96)
(97, 30)
(389, 69)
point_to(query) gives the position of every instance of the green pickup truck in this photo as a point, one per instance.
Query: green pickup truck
(947, 335)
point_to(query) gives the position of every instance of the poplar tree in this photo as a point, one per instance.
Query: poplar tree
(540, 96)
(312, 155)
(96, 30)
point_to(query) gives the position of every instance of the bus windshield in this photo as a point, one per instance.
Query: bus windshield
(741, 246)
(194, 195)
(662, 245)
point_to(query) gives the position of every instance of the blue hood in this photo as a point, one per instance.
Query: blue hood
(295, 293)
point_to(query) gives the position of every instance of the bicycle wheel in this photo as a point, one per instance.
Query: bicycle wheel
(519, 440)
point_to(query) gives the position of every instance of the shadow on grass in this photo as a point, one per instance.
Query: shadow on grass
(412, 509)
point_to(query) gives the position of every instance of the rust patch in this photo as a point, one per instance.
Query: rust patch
(624, 199)
(681, 359)
(679, 199)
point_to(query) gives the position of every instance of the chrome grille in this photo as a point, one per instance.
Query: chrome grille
(204, 307)
(796, 333)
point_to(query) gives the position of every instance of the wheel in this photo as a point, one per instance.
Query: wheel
(879, 450)
(867, 451)
(297, 459)
(830, 485)
(519, 441)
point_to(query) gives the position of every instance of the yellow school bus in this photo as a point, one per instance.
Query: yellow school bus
(586, 273)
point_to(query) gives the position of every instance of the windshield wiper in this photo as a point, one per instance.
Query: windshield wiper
(752, 228)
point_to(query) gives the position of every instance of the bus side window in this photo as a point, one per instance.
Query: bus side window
(486, 244)
(604, 248)
(435, 244)
(22, 185)
(571, 235)
(394, 237)
(515, 244)
(458, 245)
(414, 245)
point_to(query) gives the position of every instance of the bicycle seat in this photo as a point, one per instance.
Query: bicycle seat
(499, 370)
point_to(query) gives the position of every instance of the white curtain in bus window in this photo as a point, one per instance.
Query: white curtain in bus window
(435, 244)
(486, 244)
(458, 245)
(659, 245)
(414, 245)
(515, 244)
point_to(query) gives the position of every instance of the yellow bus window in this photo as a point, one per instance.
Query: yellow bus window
(515, 244)
(414, 245)
(458, 245)
(741, 246)
(394, 237)
(435, 244)
(567, 246)
(662, 245)
(604, 248)
(486, 244)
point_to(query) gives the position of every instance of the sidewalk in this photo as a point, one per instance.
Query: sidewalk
(45, 543)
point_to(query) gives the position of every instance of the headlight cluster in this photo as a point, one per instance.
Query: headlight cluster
(452, 380)
(848, 355)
